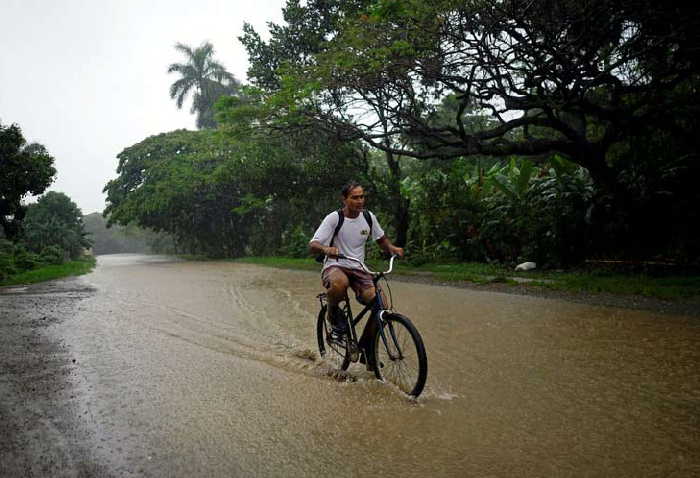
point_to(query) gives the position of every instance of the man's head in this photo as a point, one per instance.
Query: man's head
(353, 198)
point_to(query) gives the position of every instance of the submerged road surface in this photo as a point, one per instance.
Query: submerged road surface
(209, 369)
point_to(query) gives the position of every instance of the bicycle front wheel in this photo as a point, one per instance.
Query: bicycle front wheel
(400, 356)
(335, 354)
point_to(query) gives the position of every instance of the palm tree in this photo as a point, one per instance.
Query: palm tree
(205, 77)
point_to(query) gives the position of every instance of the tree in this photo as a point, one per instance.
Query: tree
(297, 45)
(205, 78)
(24, 169)
(225, 196)
(55, 221)
(610, 85)
(577, 78)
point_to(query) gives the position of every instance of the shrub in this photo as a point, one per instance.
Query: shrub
(295, 243)
(7, 267)
(25, 260)
(52, 255)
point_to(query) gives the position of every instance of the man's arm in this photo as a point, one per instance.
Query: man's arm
(388, 247)
(324, 233)
(317, 248)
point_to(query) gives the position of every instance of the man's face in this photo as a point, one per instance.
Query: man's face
(355, 202)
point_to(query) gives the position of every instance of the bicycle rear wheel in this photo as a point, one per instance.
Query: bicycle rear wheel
(401, 359)
(336, 355)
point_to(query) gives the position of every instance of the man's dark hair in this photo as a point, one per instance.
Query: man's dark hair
(349, 187)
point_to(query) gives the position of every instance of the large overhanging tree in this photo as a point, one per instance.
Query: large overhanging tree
(224, 197)
(292, 49)
(565, 76)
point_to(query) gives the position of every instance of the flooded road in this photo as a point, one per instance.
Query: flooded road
(204, 369)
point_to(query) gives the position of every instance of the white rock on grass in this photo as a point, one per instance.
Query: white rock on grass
(526, 266)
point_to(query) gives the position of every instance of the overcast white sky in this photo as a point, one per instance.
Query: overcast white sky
(88, 78)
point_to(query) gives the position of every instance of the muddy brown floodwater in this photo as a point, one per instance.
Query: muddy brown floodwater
(170, 368)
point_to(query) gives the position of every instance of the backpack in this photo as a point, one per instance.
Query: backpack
(341, 218)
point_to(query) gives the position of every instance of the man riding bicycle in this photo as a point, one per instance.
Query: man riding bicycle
(345, 232)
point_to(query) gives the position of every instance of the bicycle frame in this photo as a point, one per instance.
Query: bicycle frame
(377, 308)
(395, 352)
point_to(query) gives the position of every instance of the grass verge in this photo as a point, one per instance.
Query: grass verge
(667, 288)
(50, 272)
(576, 281)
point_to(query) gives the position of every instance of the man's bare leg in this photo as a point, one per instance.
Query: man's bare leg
(338, 284)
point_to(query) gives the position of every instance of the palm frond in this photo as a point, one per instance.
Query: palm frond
(176, 67)
(185, 49)
(203, 76)
(179, 90)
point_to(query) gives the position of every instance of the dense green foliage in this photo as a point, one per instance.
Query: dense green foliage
(55, 223)
(296, 46)
(52, 234)
(500, 212)
(225, 198)
(44, 234)
(484, 131)
(608, 85)
(24, 169)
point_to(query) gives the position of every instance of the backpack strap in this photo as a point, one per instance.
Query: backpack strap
(341, 218)
(368, 218)
(321, 257)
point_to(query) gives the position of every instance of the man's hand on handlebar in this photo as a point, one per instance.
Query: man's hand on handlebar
(331, 251)
(397, 251)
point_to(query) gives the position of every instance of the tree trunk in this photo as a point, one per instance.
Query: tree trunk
(402, 221)
(400, 205)
(12, 227)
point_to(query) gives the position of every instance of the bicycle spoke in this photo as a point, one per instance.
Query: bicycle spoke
(334, 354)
(407, 369)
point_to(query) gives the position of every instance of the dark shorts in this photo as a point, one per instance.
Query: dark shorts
(359, 280)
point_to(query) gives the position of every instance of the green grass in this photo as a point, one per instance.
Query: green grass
(479, 273)
(668, 288)
(591, 282)
(50, 272)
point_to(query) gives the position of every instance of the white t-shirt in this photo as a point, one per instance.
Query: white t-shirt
(350, 240)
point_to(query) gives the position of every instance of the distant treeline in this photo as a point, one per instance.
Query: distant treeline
(123, 239)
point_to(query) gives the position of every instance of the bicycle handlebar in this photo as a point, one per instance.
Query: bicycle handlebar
(366, 269)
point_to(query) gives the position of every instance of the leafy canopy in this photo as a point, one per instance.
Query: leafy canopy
(575, 78)
(55, 221)
(24, 169)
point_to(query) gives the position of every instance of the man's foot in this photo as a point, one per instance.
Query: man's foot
(337, 335)
(339, 326)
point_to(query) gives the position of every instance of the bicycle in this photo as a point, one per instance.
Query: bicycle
(396, 353)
